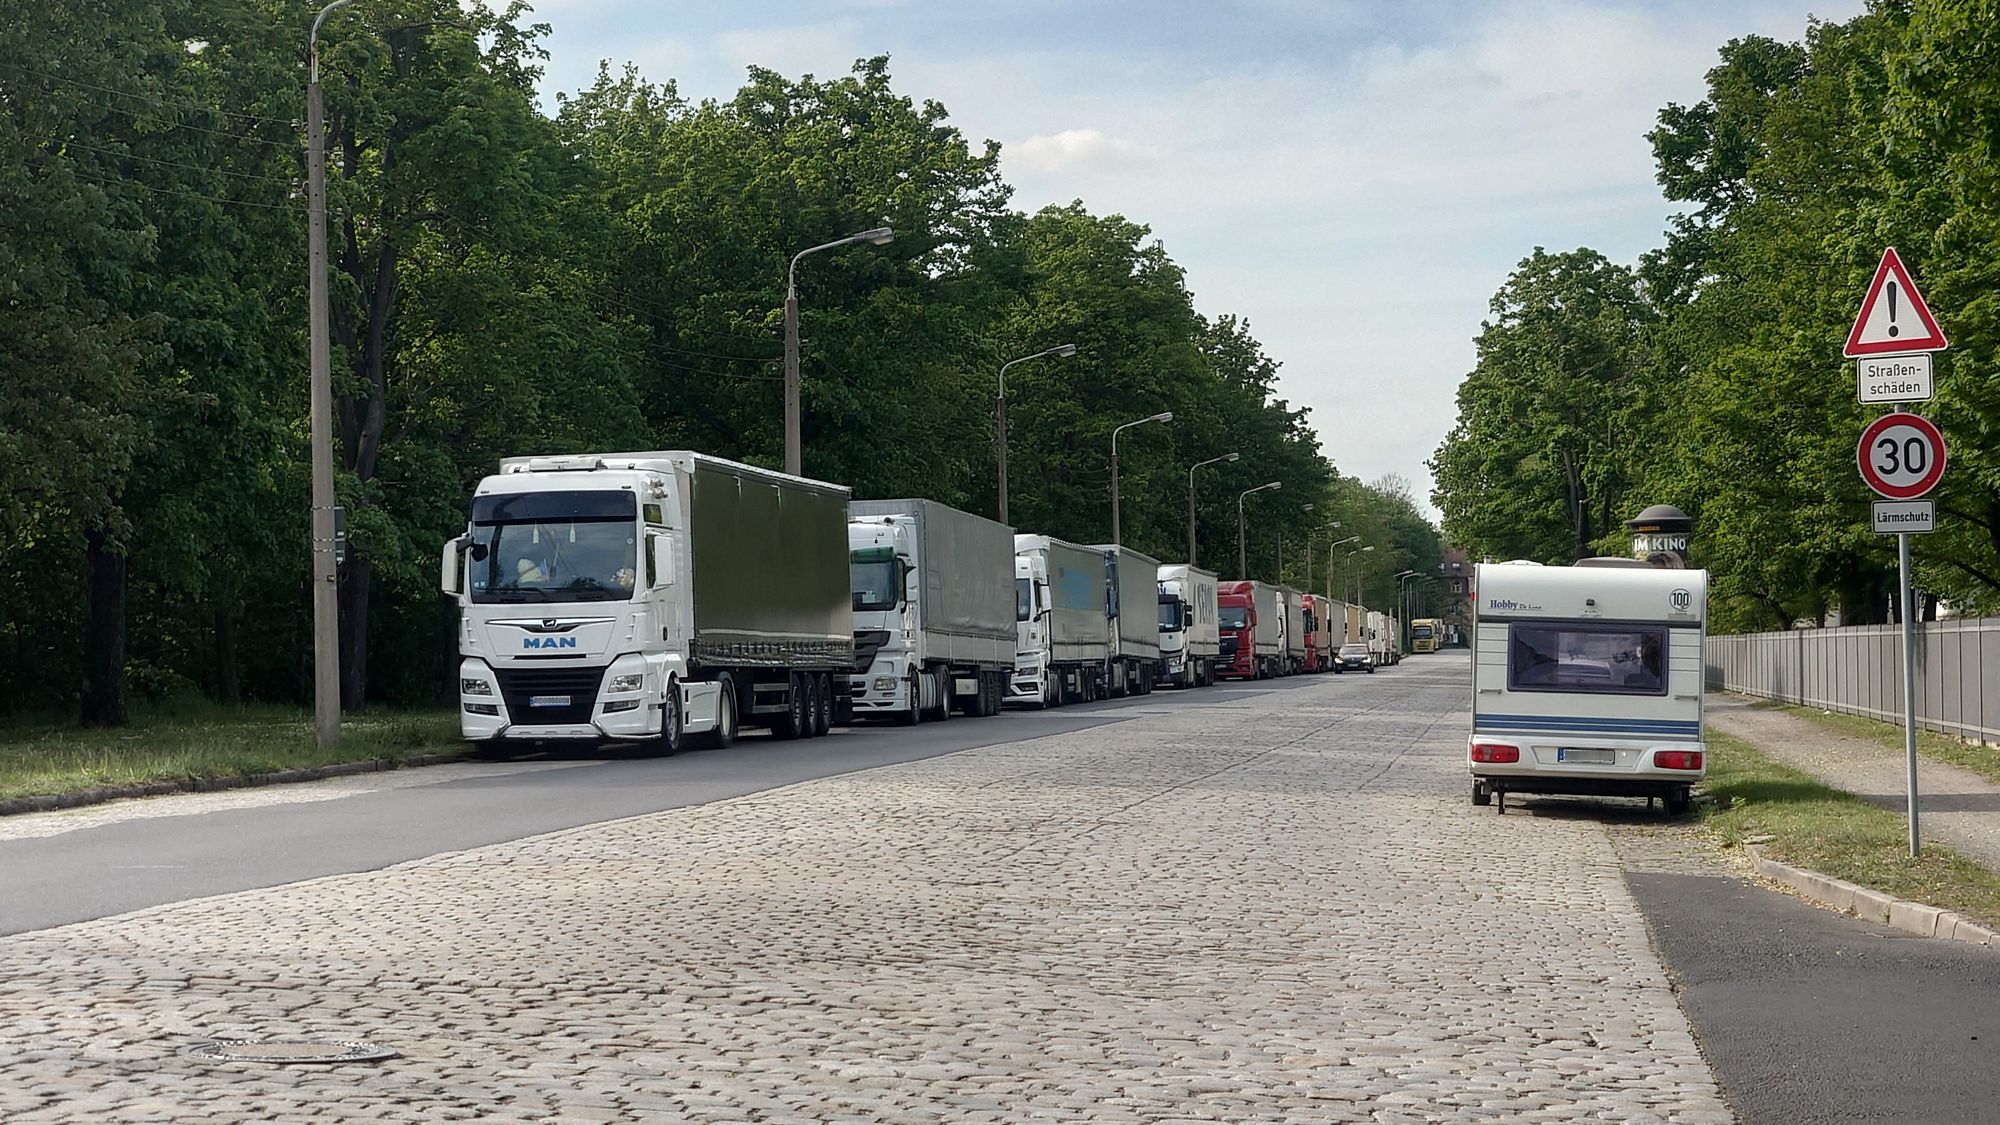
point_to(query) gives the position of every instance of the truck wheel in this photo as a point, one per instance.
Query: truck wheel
(943, 711)
(792, 724)
(1481, 795)
(913, 714)
(1679, 802)
(814, 701)
(824, 722)
(670, 739)
(724, 734)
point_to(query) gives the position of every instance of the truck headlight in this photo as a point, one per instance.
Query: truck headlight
(469, 686)
(628, 682)
(885, 683)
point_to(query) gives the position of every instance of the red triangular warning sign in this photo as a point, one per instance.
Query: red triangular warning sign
(1893, 315)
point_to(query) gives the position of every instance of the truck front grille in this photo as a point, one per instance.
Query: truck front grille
(549, 695)
(867, 643)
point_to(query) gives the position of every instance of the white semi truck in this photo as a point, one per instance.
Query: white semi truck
(1063, 641)
(1189, 641)
(1383, 644)
(933, 604)
(1130, 577)
(645, 597)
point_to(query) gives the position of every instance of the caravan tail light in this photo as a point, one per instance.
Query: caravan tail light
(1678, 759)
(1496, 754)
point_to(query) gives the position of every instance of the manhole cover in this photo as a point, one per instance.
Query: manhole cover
(287, 1051)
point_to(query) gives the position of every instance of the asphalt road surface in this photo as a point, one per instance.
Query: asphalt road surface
(1808, 1016)
(245, 839)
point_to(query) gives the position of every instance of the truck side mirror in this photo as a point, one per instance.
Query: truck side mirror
(451, 565)
(909, 581)
(662, 548)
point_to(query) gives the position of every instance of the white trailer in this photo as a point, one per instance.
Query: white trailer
(933, 610)
(1189, 640)
(1381, 647)
(1293, 660)
(642, 597)
(1134, 664)
(1588, 679)
(1269, 645)
(1063, 638)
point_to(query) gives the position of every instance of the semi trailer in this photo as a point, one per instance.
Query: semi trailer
(647, 597)
(1189, 644)
(1132, 587)
(933, 600)
(1062, 622)
(1250, 616)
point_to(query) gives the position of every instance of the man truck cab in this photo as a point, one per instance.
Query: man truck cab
(1587, 679)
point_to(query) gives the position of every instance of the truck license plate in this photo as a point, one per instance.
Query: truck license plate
(548, 701)
(1587, 757)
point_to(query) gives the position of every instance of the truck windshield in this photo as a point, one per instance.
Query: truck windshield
(1233, 617)
(874, 583)
(554, 547)
(1024, 599)
(1593, 659)
(1420, 632)
(1170, 615)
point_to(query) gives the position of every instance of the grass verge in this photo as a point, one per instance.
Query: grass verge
(1835, 833)
(205, 742)
(1982, 760)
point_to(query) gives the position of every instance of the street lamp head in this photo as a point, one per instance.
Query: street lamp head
(1273, 484)
(1163, 416)
(1368, 548)
(1231, 456)
(878, 236)
(1062, 351)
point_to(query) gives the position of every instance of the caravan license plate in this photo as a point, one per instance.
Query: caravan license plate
(1585, 757)
(548, 701)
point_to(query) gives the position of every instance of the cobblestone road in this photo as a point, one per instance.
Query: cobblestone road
(1279, 909)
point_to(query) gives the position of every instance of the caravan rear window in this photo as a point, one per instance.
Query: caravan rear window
(1607, 659)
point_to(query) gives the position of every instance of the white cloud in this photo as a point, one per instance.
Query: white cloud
(1073, 148)
(822, 49)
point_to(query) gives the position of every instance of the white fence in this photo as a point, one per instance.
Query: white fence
(1859, 670)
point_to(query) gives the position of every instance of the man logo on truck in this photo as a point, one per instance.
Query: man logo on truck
(548, 642)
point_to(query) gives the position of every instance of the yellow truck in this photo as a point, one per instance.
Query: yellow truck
(1426, 634)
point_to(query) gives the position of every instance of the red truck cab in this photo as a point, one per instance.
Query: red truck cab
(1236, 631)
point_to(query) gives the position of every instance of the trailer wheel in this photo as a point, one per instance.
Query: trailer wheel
(1481, 795)
(823, 722)
(1679, 801)
(792, 724)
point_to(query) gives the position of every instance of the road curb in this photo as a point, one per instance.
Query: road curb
(16, 806)
(1852, 898)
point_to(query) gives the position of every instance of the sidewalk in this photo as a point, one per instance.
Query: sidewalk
(1957, 807)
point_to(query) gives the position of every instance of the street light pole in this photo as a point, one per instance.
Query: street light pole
(1347, 569)
(1060, 351)
(877, 236)
(1117, 531)
(1191, 469)
(1242, 553)
(325, 569)
(1309, 559)
(1329, 565)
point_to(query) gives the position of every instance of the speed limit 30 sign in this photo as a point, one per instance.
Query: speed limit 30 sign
(1901, 456)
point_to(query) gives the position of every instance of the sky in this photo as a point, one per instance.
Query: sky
(1354, 178)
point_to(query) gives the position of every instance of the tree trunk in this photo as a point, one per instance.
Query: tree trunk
(1579, 505)
(354, 578)
(228, 685)
(104, 630)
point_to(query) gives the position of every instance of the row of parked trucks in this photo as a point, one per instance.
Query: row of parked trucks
(1270, 630)
(652, 597)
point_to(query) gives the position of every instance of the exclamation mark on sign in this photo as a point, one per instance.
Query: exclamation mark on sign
(1893, 330)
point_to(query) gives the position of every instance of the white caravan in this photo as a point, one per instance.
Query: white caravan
(1587, 679)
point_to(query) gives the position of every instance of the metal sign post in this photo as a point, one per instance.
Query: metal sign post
(1902, 455)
